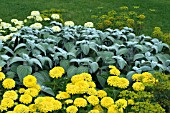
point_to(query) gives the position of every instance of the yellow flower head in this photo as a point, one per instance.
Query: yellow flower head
(71, 109)
(80, 102)
(21, 90)
(88, 24)
(62, 95)
(30, 81)
(32, 108)
(93, 100)
(26, 99)
(107, 102)
(69, 101)
(77, 78)
(141, 17)
(137, 77)
(101, 93)
(21, 108)
(94, 111)
(72, 89)
(2, 75)
(37, 86)
(138, 86)
(86, 76)
(69, 23)
(114, 70)
(57, 105)
(92, 91)
(113, 109)
(122, 83)
(83, 86)
(57, 72)
(92, 84)
(121, 103)
(8, 83)
(32, 91)
(113, 80)
(123, 8)
(7, 102)
(10, 94)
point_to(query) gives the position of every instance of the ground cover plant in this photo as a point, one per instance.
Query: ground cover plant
(79, 68)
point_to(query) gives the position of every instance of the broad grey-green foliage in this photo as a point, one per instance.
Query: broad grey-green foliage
(80, 49)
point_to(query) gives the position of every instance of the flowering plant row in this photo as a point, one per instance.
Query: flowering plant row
(80, 94)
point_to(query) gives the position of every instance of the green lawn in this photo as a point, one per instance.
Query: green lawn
(80, 11)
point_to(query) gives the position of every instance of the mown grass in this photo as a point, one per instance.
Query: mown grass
(80, 11)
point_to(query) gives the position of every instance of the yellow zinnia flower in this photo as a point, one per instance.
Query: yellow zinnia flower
(29, 81)
(21, 108)
(8, 83)
(80, 102)
(107, 102)
(71, 109)
(93, 100)
(56, 72)
(26, 99)
(10, 94)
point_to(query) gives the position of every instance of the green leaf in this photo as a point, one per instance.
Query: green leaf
(34, 61)
(47, 90)
(138, 56)
(23, 71)
(105, 55)
(82, 69)
(20, 46)
(5, 57)
(8, 49)
(162, 58)
(71, 71)
(143, 48)
(122, 51)
(40, 78)
(94, 66)
(2, 63)
(69, 46)
(101, 80)
(120, 61)
(85, 48)
(145, 68)
(46, 59)
(10, 74)
(65, 64)
(40, 47)
(129, 76)
(16, 59)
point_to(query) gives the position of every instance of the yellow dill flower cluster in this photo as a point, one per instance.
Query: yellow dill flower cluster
(8, 83)
(47, 104)
(141, 17)
(114, 70)
(123, 8)
(118, 82)
(56, 72)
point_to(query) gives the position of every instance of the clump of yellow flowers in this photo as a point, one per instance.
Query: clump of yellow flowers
(80, 94)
